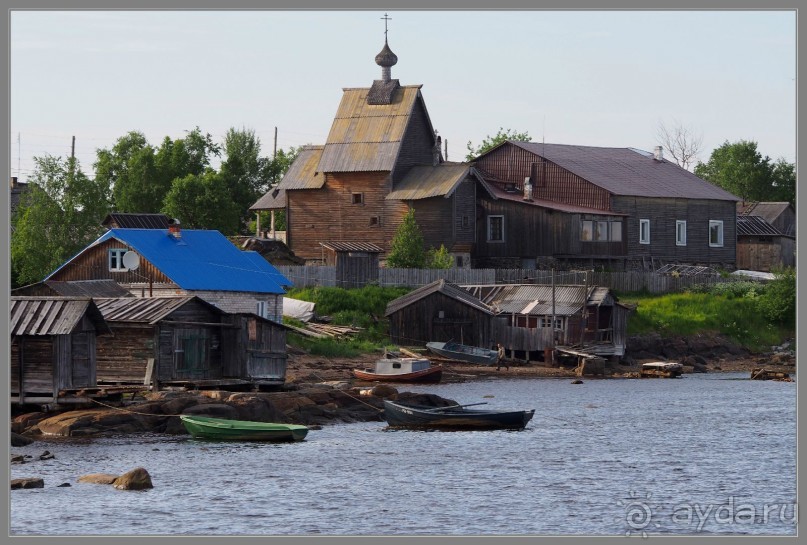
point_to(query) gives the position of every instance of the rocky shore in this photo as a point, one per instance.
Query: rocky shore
(321, 390)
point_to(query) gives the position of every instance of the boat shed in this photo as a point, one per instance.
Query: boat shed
(53, 346)
(589, 318)
(356, 262)
(440, 311)
(186, 341)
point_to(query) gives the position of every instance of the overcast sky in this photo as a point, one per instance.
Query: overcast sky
(566, 77)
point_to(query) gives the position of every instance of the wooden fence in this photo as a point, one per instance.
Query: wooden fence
(624, 282)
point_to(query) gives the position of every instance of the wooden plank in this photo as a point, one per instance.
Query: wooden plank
(149, 371)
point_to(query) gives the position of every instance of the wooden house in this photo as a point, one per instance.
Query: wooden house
(185, 341)
(53, 347)
(588, 318)
(781, 215)
(592, 206)
(763, 247)
(440, 311)
(356, 263)
(172, 262)
(381, 158)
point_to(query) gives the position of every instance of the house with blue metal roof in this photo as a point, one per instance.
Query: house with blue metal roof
(172, 262)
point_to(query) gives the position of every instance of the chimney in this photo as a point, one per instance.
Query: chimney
(173, 229)
(658, 153)
(527, 190)
(13, 182)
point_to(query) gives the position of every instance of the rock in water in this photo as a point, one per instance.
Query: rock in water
(98, 478)
(30, 482)
(18, 440)
(136, 479)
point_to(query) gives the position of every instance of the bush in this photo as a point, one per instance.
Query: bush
(778, 301)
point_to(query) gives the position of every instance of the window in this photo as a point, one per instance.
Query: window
(191, 353)
(495, 228)
(466, 221)
(715, 233)
(116, 259)
(680, 233)
(358, 198)
(616, 231)
(602, 230)
(546, 321)
(458, 261)
(261, 310)
(373, 221)
(644, 231)
(586, 230)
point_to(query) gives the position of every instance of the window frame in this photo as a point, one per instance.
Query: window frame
(680, 240)
(644, 238)
(355, 200)
(490, 219)
(119, 252)
(719, 224)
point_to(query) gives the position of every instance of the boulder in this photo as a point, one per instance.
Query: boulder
(28, 482)
(251, 407)
(213, 410)
(18, 440)
(47, 455)
(25, 421)
(91, 422)
(385, 391)
(98, 478)
(136, 479)
(288, 403)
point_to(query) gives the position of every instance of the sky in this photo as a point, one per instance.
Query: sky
(606, 78)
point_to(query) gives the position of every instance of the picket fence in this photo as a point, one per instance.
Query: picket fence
(624, 281)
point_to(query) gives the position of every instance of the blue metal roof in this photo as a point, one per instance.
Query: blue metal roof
(201, 260)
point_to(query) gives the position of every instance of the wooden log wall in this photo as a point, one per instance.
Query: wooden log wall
(420, 323)
(417, 142)
(93, 264)
(254, 349)
(123, 356)
(34, 356)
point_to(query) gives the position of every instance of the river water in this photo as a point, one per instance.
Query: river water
(704, 454)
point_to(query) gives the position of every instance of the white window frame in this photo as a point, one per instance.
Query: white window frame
(719, 225)
(262, 309)
(644, 234)
(115, 260)
(490, 225)
(680, 232)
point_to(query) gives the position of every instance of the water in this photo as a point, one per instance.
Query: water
(705, 454)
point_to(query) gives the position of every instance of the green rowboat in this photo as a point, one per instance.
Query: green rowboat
(204, 427)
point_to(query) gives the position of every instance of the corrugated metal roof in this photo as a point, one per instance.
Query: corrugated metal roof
(423, 182)
(200, 260)
(498, 193)
(755, 225)
(625, 171)
(768, 210)
(149, 310)
(536, 299)
(273, 200)
(446, 288)
(304, 172)
(88, 288)
(52, 315)
(126, 220)
(367, 137)
(352, 247)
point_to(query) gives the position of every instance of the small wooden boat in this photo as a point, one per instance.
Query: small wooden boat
(401, 370)
(204, 427)
(464, 352)
(454, 417)
(662, 369)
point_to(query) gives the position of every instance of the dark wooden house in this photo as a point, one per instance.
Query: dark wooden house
(763, 247)
(381, 158)
(592, 206)
(53, 347)
(356, 263)
(589, 318)
(185, 341)
(440, 311)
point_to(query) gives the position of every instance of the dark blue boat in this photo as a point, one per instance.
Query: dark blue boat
(454, 417)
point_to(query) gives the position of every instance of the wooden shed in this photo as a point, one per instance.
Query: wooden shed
(356, 262)
(185, 341)
(53, 346)
(440, 311)
(763, 247)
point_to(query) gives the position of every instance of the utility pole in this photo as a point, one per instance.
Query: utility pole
(446, 146)
(274, 155)
(18, 154)
(73, 159)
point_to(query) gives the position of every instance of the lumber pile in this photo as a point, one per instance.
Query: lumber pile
(324, 331)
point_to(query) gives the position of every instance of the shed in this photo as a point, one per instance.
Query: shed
(440, 311)
(763, 247)
(356, 262)
(53, 346)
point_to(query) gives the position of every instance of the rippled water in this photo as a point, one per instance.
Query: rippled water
(706, 454)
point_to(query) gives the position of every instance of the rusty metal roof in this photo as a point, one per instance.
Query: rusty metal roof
(273, 200)
(625, 171)
(756, 225)
(441, 286)
(52, 315)
(352, 247)
(536, 299)
(303, 172)
(149, 310)
(367, 137)
(423, 182)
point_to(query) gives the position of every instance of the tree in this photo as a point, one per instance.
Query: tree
(491, 142)
(439, 258)
(203, 202)
(60, 214)
(681, 142)
(783, 181)
(739, 169)
(246, 173)
(406, 249)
